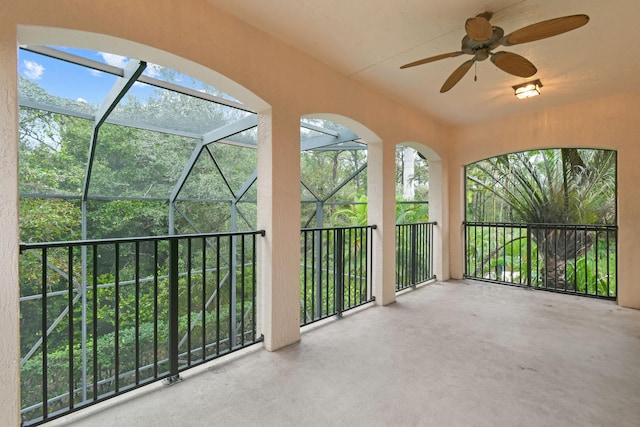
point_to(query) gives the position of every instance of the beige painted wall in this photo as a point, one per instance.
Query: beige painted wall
(270, 76)
(9, 291)
(611, 123)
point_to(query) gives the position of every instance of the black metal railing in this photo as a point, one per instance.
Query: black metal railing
(568, 258)
(335, 271)
(102, 317)
(414, 254)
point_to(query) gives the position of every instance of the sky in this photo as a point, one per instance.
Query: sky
(73, 81)
(83, 84)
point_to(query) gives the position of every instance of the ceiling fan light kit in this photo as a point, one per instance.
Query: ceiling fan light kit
(528, 89)
(482, 38)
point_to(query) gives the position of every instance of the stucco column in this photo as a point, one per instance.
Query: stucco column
(279, 216)
(456, 204)
(9, 249)
(381, 182)
(438, 212)
(628, 229)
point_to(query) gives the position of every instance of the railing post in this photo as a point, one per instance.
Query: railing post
(430, 248)
(529, 266)
(413, 251)
(174, 376)
(466, 249)
(339, 271)
(233, 286)
(369, 259)
(317, 272)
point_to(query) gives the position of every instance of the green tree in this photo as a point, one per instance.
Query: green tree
(561, 186)
(133, 174)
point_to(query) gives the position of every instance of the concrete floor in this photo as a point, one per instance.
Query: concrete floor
(450, 354)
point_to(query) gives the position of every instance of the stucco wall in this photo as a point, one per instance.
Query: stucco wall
(266, 74)
(9, 291)
(611, 123)
(269, 75)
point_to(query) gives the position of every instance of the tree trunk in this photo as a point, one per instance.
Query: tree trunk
(408, 183)
(558, 247)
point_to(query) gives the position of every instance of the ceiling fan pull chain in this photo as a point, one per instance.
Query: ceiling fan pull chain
(475, 71)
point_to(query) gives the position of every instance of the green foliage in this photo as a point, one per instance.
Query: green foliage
(127, 218)
(328, 177)
(352, 215)
(561, 186)
(49, 220)
(409, 213)
(48, 158)
(414, 254)
(594, 273)
(500, 253)
(356, 214)
(133, 174)
(323, 171)
(321, 272)
(58, 364)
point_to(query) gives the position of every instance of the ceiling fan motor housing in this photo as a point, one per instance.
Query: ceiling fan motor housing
(480, 48)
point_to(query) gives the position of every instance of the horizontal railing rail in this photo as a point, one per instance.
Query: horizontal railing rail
(414, 254)
(335, 271)
(578, 259)
(102, 317)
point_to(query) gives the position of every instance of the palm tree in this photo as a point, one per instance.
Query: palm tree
(549, 189)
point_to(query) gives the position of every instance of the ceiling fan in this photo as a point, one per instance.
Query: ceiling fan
(482, 38)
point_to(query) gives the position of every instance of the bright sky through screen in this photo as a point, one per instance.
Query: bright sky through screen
(82, 84)
(72, 81)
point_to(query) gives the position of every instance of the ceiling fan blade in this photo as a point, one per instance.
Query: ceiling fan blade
(458, 74)
(478, 28)
(544, 29)
(515, 64)
(432, 59)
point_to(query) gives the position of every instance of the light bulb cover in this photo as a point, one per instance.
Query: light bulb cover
(528, 89)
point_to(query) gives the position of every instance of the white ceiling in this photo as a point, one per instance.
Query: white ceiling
(368, 40)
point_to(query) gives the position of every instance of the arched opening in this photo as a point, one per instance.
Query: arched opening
(114, 296)
(333, 171)
(414, 231)
(146, 179)
(157, 140)
(544, 219)
(412, 185)
(336, 237)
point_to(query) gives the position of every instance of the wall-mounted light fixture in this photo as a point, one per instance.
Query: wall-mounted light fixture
(528, 89)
